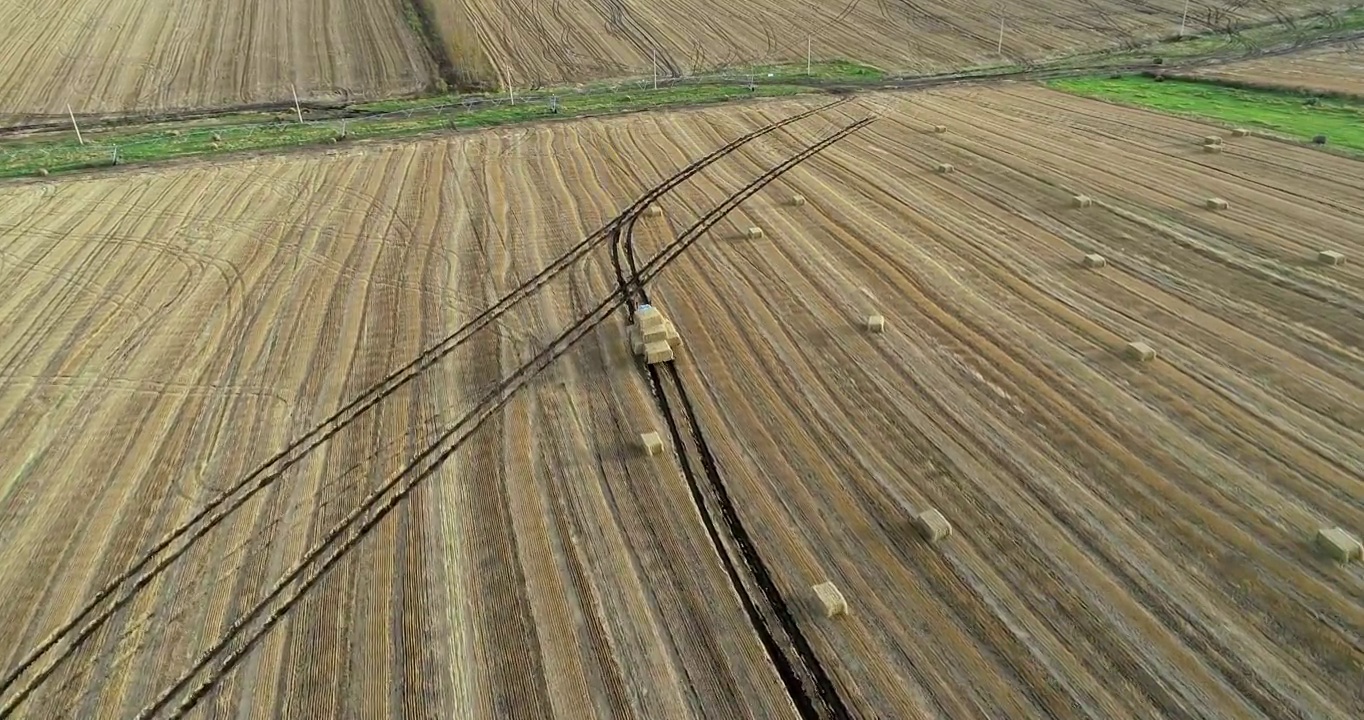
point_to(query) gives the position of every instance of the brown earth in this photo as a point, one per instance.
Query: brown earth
(1131, 540)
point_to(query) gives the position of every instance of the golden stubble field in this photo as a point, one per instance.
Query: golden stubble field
(162, 55)
(141, 56)
(1334, 68)
(1130, 539)
(533, 42)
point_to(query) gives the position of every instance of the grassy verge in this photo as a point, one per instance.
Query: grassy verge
(29, 157)
(780, 74)
(1280, 112)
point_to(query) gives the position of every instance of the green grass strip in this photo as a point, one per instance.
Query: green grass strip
(27, 157)
(1293, 115)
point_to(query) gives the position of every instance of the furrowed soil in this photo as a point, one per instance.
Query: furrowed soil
(124, 56)
(1130, 539)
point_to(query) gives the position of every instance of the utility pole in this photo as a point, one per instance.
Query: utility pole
(809, 46)
(1184, 18)
(74, 125)
(297, 110)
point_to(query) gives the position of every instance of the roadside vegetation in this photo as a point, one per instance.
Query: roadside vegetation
(46, 154)
(1299, 116)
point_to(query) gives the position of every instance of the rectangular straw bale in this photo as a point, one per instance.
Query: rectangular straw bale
(657, 352)
(1081, 201)
(1330, 257)
(1212, 140)
(652, 442)
(1339, 545)
(831, 599)
(876, 323)
(1217, 204)
(932, 526)
(1212, 148)
(797, 200)
(939, 128)
(653, 211)
(1140, 351)
(945, 168)
(1093, 260)
(648, 317)
(672, 336)
(1240, 132)
(754, 232)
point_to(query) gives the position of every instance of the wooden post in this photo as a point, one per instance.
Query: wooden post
(297, 110)
(74, 125)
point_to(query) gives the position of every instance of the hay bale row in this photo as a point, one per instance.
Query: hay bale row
(653, 336)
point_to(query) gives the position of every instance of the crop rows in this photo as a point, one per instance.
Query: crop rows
(161, 55)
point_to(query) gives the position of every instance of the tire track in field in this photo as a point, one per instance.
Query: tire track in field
(788, 317)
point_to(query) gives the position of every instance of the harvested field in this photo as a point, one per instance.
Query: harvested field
(1128, 539)
(1337, 69)
(161, 55)
(578, 40)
